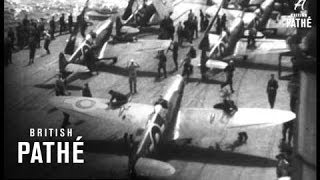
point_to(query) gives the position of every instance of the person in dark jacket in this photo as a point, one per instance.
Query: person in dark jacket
(162, 63)
(175, 49)
(187, 67)
(117, 99)
(52, 27)
(62, 24)
(86, 91)
(70, 23)
(32, 48)
(47, 41)
(272, 88)
(201, 21)
(8, 51)
(229, 73)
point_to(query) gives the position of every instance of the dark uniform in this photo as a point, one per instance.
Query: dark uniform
(187, 67)
(229, 71)
(272, 90)
(8, 51)
(162, 64)
(52, 27)
(180, 33)
(175, 50)
(19, 30)
(70, 23)
(32, 48)
(218, 25)
(120, 99)
(47, 41)
(62, 24)
(201, 20)
(86, 91)
(205, 23)
(251, 38)
(203, 67)
(223, 22)
(90, 60)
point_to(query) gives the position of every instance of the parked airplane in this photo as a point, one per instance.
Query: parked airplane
(154, 126)
(231, 44)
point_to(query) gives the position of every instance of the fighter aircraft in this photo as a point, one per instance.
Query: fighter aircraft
(154, 127)
(233, 44)
(149, 13)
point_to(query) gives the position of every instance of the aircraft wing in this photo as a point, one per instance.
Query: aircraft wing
(131, 118)
(140, 46)
(201, 123)
(263, 46)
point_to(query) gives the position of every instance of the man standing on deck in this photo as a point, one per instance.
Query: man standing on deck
(229, 72)
(70, 23)
(86, 91)
(175, 50)
(132, 68)
(62, 24)
(52, 27)
(272, 90)
(162, 64)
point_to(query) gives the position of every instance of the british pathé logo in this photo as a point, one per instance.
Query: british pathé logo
(300, 4)
(299, 20)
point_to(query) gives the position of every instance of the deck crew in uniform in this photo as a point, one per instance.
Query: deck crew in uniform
(162, 64)
(272, 88)
(117, 99)
(132, 69)
(86, 92)
(229, 73)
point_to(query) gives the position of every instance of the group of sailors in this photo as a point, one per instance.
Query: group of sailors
(29, 33)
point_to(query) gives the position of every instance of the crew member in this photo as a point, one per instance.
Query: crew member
(251, 38)
(229, 73)
(201, 21)
(70, 23)
(62, 24)
(32, 48)
(117, 99)
(203, 67)
(8, 51)
(52, 27)
(86, 91)
(195, 25)
(90, 60)
(132, 69)
(187, 67)
(180, 33)
(218, 25)
(282, 166)
(47, 41)
(175, 50)
(227, 105)
(224, 22)
(272, 88)
(242, 137)
(162, 63)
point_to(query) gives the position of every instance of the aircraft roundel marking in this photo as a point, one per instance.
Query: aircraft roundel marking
(85, 104)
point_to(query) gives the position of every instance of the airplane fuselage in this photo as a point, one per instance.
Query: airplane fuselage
(160, 126)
